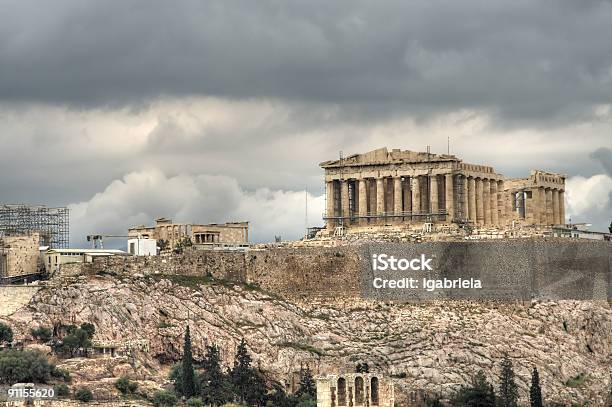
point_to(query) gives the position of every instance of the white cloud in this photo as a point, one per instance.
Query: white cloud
(589, 200)
(140, 197)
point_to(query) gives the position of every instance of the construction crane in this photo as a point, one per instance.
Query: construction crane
(98, 240)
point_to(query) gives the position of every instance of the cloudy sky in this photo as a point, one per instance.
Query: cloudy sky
(221, 110)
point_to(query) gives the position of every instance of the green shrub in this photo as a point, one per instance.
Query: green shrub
(79, 338)
(306, 400)
(42, 333)
(195, 402)
(61, 391)
(89, 329)
(125, 385)
(61, 374)
(164, 398)
(24, 366)
(6, 333)
(83, 394)
(576, 381)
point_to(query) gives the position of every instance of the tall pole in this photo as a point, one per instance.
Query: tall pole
(428, 183)
(341, 181)
(306, 213)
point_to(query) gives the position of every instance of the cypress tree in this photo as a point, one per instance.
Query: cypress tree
(479, 394)
(307, 383)
(189, 387)
(215, 390)
(241, 372)
(508, 391)
(535, 392)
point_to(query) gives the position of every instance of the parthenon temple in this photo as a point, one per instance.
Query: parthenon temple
(383, 187)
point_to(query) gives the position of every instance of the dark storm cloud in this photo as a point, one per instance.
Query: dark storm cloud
(604, 156)
(522, 59)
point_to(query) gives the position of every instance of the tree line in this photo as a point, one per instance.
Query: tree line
(208, 383)
(480, 393)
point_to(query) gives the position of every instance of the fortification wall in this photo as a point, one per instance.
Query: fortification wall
(308, 272)
(553, 268)
(512, 268)
(221, 265)
(14, 297)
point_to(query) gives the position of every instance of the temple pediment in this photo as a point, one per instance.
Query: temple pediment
(386, 156)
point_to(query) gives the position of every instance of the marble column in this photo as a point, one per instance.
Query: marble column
(555, 202)
(397, 197)
(562, 206)
(372, 199)
(407, 196)
(329, 195)
(479, 202)
(549, 207)
(542, 207)
(363, 200)
(509, 206)
(465, 206)
(433, 193)
(449, 197)
(531, 207)
(425, 207)
(501, 202)
(486, 196)
(344, 200)
(494, 208)
(416, 196)
(472, 199)
(380, 196)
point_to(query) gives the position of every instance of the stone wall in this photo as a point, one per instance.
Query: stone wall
(308, 272)
(509, 269)
(14, 297)
(218, 264)
(520, 268)
(20, 255)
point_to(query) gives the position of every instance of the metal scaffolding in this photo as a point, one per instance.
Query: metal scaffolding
(53, 224)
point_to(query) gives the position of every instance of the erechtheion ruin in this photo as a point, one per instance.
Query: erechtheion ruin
(383, 187)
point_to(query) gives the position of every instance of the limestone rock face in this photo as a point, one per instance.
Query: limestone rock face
(433, 347)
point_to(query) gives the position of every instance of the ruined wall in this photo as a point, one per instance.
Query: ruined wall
(21, 255)
(308, 272)
(287, 271)
(221, 265)
(511, 268)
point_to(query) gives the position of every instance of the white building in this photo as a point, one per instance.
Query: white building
(142, 247)
(580, 231)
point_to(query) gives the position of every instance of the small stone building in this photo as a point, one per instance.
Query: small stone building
(55, 258)
(20, 255)
(355, 390)
(204, 236)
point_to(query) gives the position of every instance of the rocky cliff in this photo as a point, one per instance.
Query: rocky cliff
(433, 346)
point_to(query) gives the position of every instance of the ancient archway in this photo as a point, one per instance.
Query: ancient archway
(359, 390)
(341, 391)
(374, 390)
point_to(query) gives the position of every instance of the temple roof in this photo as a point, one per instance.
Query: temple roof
(384, 156)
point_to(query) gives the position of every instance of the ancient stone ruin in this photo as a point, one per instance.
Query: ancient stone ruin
(355, 389)
(383, 187)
